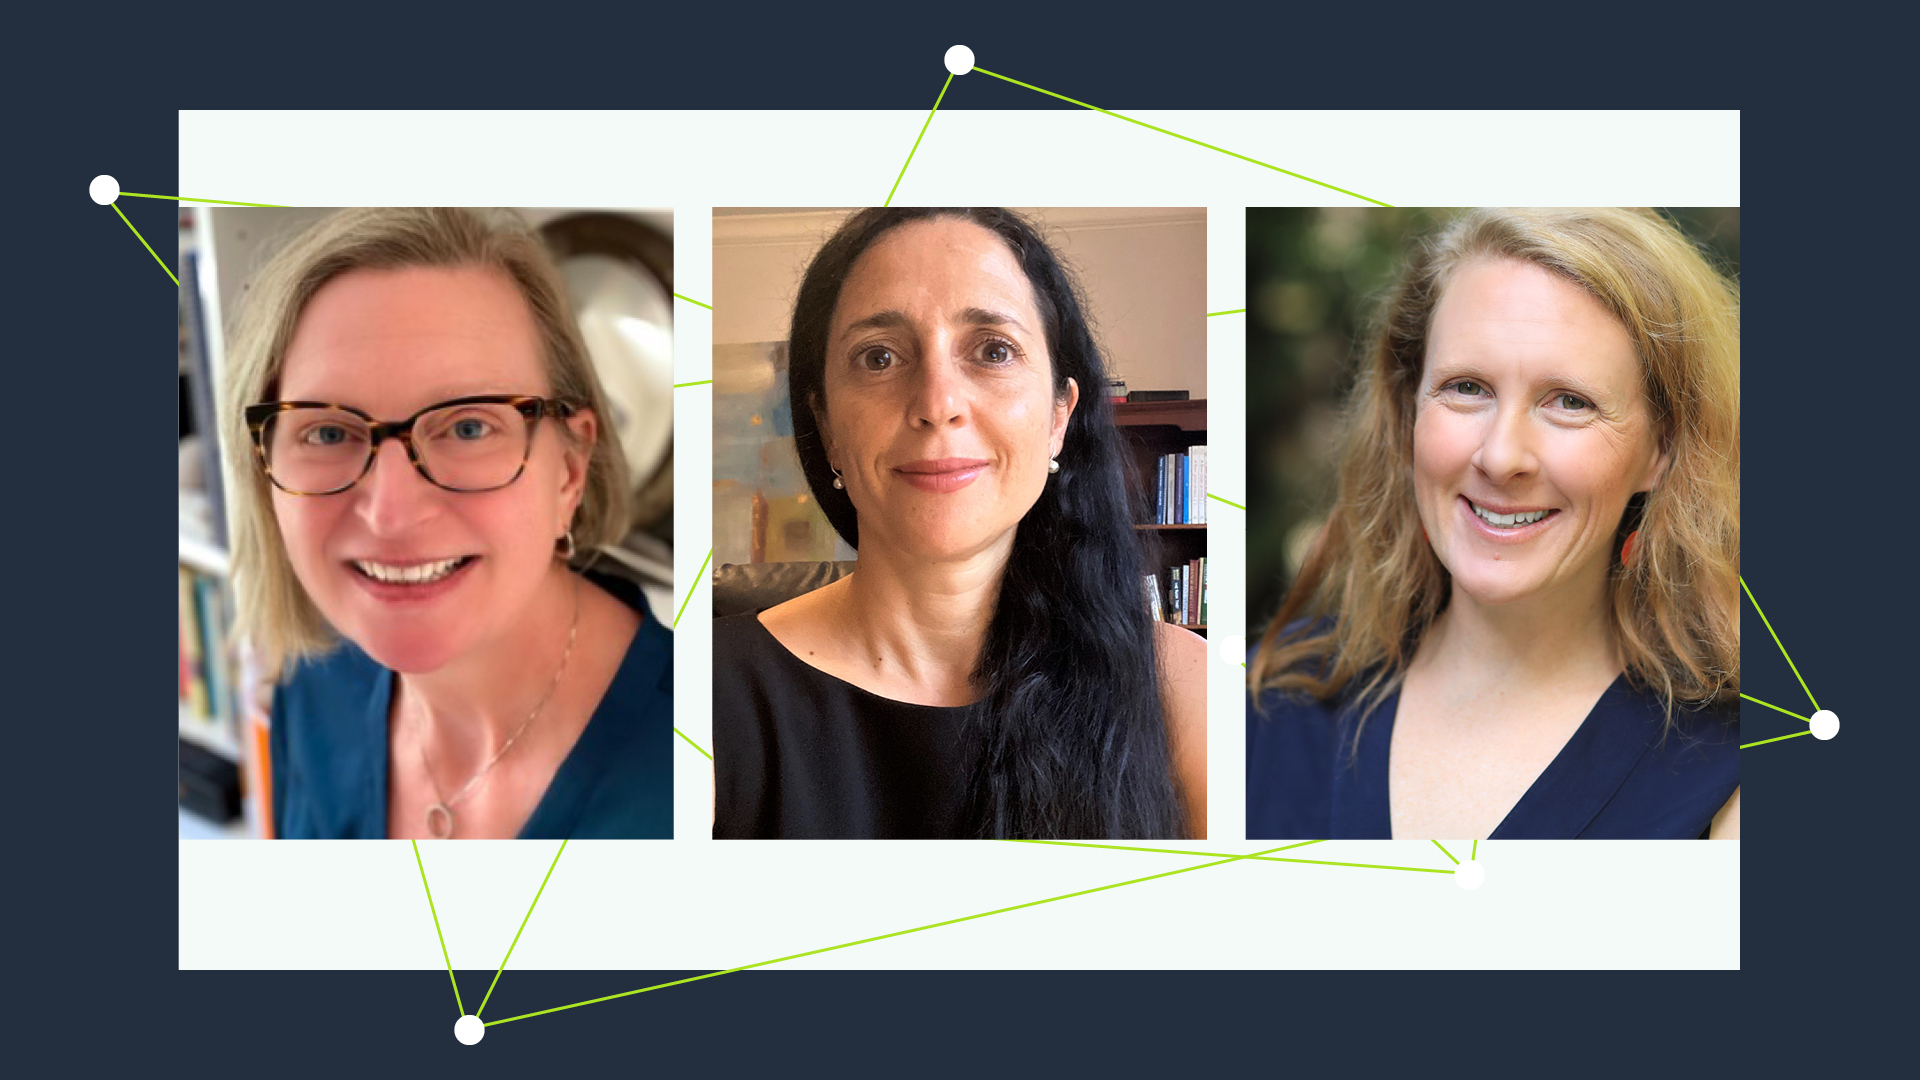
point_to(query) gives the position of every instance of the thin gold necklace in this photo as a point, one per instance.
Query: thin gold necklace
(440, 819)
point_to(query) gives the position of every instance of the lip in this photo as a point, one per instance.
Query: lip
(1517, 535)
(409, 594)
(941, 475)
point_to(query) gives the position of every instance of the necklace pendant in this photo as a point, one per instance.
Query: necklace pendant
(439, 821)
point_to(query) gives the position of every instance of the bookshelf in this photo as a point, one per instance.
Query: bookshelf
(221, 722)
(1151, 430)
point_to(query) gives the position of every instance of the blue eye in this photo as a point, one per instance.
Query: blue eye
(324, 435)
(470, 429)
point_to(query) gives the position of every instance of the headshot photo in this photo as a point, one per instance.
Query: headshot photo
(434, 520)
(959, 523)
(1494, 524)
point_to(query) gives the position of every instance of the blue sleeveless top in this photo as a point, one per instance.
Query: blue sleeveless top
(1622, 776)
(329, 747)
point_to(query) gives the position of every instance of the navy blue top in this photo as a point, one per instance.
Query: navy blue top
(1622, 776)
(329, 745)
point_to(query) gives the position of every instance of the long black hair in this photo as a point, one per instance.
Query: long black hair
(1071, 737)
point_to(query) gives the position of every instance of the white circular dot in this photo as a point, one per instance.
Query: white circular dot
(1233, 651)
(1469, 875)
(469, 1029)
(959, 59)
(104, 189)
(1826, 724)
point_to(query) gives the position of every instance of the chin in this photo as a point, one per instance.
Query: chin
(412, 651)
(1492, 586)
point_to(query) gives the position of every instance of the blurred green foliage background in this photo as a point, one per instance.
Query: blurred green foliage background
(1314, 279)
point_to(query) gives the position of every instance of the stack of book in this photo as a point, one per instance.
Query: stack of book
(1182, 497)
(208, 698)
(1178, 594)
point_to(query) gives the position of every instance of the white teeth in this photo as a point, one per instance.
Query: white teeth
(1508, 521)
(418, 574)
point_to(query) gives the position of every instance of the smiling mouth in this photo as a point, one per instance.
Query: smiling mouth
(424, 573)
(1509, 521)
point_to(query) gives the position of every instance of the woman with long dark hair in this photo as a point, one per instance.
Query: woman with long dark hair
(990, 668)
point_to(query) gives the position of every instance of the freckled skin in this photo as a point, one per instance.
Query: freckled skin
(1511, 345)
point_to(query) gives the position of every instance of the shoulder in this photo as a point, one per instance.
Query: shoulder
(341, 677)
(328, 744)
(1182, 652)
(1183, 669)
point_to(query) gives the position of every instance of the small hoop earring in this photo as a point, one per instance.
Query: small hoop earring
(1053, 465)
(565, 548)
(837, 485)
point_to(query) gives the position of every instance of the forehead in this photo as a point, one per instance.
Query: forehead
(932, 270)
(390, 341)
(1508, 314)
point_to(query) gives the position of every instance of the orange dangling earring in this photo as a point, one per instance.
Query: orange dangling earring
(1626, 547)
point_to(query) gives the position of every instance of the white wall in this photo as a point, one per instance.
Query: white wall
(1144, 271)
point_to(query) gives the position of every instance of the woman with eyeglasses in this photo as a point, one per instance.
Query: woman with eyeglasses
(417, 455)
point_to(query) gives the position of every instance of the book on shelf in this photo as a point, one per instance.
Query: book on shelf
(198, 364)
(1152, 583)
(1197, 502)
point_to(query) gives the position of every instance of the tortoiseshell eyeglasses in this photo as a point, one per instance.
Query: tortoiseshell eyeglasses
(467, 444)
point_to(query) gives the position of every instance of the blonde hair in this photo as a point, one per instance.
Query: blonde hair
(274, 612)
(1674, 609)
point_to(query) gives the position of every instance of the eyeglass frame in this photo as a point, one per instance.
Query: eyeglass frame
(530, 406)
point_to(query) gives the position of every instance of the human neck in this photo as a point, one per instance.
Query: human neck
(469, 708)
(922, 624)
(1542, 640)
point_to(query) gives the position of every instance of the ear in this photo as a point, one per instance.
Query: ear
(1062, 412)
(575, 455)
(1657, 471)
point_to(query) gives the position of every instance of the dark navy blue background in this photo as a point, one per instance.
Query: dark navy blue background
(1828, 542)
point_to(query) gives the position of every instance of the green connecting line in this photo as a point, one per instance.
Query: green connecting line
(895, 934)
(189, 198)
(1764, 742)
(436, 926)
(144, 244)
(1163, 850)
(1229, 502)
(1184, 138)
(1776, 641)
(696, 584)
(1235, 311)
(695, 745)
(1777, 709)
(1476, 852)
(916, 140)
(523, 927)
(1444, 851)
(700, 382)
(1264, 856)
(691, 300)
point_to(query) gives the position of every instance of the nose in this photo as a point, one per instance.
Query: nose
(393, 498)
(939, 392)
(1506, 446)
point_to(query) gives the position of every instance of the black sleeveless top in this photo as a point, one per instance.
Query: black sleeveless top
(799, 753)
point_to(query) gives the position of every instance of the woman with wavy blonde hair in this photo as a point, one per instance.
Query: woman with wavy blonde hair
(1522, 616)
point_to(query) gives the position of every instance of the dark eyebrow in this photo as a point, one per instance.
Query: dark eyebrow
(892, 319)
(879, 320)
(982, 317)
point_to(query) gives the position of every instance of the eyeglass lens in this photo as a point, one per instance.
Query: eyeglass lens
(472, 447)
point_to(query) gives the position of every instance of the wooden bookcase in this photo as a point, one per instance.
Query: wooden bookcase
(1151, 429)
